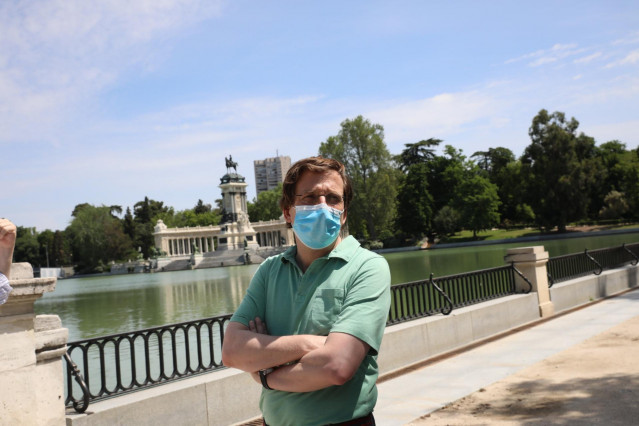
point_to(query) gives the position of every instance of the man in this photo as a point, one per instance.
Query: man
(312, 320)
(7, 243)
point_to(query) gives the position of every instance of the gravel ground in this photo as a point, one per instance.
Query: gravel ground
(593, 383)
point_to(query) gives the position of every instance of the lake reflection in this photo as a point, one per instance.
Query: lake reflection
(97, 306)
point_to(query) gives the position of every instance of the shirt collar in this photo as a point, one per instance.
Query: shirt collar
(345, 250)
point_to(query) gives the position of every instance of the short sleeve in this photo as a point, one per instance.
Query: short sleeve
(254, 302)
(5, 288)
(366, 304)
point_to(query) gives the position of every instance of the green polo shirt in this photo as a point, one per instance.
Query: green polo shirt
(347, 291)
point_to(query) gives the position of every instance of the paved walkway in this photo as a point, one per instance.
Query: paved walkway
(406, 398)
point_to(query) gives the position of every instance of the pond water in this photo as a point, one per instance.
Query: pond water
(98, 306)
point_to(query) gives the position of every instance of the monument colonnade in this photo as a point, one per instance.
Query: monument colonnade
(176, 242)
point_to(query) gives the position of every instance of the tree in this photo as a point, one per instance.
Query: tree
(630, 186)
(417, 153)
(478, 203)
(97, 238)
(615, 206)
(266, 206)
(614, 173)
(45, 241)
(60, 253)
(27, 248)
(494, 160)
(557, 170)
(200, 215)
(414, 202)
(445, 174)
(145, 212)
(446, 221)
(360, 146)
(201, 208)
(78, 208)
(503, 170)
(129, 224)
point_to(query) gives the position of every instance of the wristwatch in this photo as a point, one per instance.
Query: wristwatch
(263, 374)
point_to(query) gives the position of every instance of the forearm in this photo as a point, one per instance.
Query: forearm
(250, 351)
(312, 372)
(6, 256)
(330, 365)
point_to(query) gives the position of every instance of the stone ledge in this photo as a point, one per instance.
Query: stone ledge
(53, 354)
(31, 286)
(21, 270)
(51, 339)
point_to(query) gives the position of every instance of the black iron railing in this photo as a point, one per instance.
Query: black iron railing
(122, 363)
(563, 268)
(441, 295)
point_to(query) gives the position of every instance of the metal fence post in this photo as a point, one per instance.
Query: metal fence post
(531, 261)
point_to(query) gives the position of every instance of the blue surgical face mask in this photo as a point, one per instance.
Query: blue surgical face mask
(317, 226)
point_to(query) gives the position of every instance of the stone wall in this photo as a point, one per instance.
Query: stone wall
(31, 347)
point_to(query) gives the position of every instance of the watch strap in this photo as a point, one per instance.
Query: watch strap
(263, 374)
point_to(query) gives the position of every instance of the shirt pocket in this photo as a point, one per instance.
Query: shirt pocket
(326, 307)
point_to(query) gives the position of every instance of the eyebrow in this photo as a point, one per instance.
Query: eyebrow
(320, 193)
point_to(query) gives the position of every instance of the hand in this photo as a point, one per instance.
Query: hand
(256, 376)
(258, 326)
(8, 234)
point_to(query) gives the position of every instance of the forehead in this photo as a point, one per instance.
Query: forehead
(326, 181)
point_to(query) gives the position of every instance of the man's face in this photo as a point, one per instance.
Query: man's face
(316, 188)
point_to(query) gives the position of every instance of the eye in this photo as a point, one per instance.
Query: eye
(333, 199)
(309, 199)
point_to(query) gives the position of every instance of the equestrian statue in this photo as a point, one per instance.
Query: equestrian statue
(230, 164)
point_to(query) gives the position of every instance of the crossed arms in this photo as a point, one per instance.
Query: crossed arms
(323, 361)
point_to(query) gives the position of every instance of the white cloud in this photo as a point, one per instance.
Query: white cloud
(632, 38)
(546, 56)
(630, 59)
(441, 114)
(543, 61)
(57, 53)
(587, 59)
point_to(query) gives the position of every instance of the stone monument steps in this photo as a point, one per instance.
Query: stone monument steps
(176, 265)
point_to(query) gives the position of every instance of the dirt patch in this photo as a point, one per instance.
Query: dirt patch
(593, 383)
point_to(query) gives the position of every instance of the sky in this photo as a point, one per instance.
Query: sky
(106, 102)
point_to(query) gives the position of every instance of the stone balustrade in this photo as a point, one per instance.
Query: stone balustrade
(31, 347)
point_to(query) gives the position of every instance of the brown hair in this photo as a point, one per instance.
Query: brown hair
(313, 165)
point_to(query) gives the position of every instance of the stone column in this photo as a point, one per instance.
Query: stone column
(31, 382)
(531, 261)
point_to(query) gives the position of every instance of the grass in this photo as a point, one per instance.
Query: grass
(493, 234)
(502, 234)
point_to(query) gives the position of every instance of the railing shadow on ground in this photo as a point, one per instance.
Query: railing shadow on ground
(117, 364)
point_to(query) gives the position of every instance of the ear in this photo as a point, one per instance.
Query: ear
(287, 215)
(343, 218)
